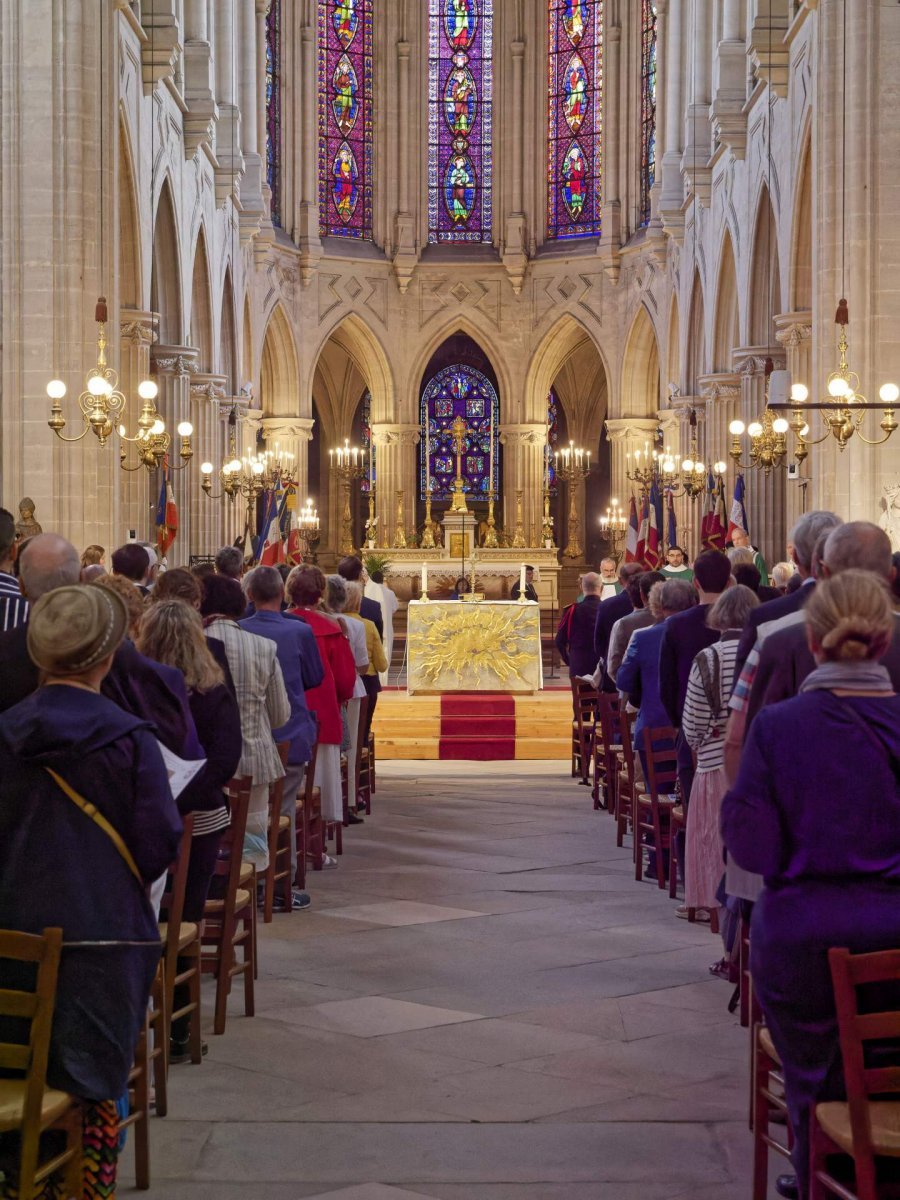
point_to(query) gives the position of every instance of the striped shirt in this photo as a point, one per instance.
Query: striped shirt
(13, 605)
(704, 724)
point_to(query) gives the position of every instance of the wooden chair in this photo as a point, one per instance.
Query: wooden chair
(765, 1072)
(181, 963)
(678, 824)
(28, 1108)
(279, 869)
(584, 704)
(371, 763)
(653, 809)
(862, 1127)
(138, 1117)
(228, 922)
(363, 784)
(609, 754)
(310, 826)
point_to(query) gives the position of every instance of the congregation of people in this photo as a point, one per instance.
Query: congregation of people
(744, 725)
(143, 713)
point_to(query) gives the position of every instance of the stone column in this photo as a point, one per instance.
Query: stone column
(199, 77)
(730, 85)
(672, 77)
(306, 222)
(172, 367)
(794, 333)
(515, 256)
(208, 517)
(662, 37)
(136, 334)
(612, 202)
(720, 400)
(397, 463)
(251, 97)
(765, 494)
(697, 143)
(291, 435)
(523, 467)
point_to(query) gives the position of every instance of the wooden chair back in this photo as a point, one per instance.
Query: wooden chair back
(584, 703)
(363, 787)
(867, 1076)
(279, 869)
(176, 887)
(27, 1059)
(231, 847)
(312, 828)
(662, 761)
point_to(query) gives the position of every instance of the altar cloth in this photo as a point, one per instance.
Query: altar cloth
(456, 646)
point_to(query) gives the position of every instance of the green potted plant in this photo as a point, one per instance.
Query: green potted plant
(373, 561)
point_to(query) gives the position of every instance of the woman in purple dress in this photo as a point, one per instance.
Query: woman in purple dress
(815, 810)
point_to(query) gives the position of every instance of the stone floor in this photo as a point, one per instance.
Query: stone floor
(482, 1005)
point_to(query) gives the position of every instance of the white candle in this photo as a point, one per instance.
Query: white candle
(424, 581)
(522, 582)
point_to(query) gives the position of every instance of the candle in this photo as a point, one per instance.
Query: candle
(522, 582)
(424, 581)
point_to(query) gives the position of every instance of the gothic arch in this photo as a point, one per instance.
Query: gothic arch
(460, 324)
(130, 273)
(695, 345)
(673, 357)
(227, 364)
(165, 282)
(639, 388)
(565, 339)
(360, 345)
(801, 285)
(726, 314)
(764, 280)
(279, 373)
(247, 359)
(201, 317)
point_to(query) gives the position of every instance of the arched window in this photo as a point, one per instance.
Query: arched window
(553, 440)
(575, 90)
(648, 106)
(345, 118)
(460, 41)
(459, 391)
(365, 441)
(273, 107)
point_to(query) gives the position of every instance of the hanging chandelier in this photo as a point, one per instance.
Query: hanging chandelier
(767, 433)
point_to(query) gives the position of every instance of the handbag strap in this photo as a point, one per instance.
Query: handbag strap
(91, 810)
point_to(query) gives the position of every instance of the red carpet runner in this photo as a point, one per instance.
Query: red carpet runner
(481, 727)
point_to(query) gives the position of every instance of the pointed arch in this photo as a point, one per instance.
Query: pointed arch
(640, 368)
(247, 357)
(130, 273)
(565, 339)
(458, 324)
(228, 359)
(764, 279)
(673, 357)
(201, 318)
(726, 314)
(165, 282)
(279, 373)
(354, 336)
(695, 347)
(801, 283)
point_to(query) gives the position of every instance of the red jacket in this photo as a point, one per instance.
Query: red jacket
(340, 674)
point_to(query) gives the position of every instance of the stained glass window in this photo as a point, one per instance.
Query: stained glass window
(345, 118)
(575, 88)
(648, 106)
(459, 391)
(460, 40)
(366, 441)
(273, 107)
(553, 439)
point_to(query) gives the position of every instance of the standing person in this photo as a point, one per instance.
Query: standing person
(376, 589)
(607, 615)
(639, 618)
(172, 633)
(831, 866)
(305, 588)
(13, 605)
(64, 751)
(229, 562)
(374, 650)
(301, 666)
(677, 565)
(610, 584)
(351, 568)
(740, 540)
(93, 556)
(335, 604)
(575, 638)
(530, 589)
(262, 701)
(703, 721)
(132, 561)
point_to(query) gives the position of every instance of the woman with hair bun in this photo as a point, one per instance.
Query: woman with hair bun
(815, 810)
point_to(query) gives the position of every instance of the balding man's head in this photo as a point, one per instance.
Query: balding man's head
(629, 570)
(858, 545)
(591, 583)
(48, 561)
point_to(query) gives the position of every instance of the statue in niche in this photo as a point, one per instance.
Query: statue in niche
(890, 513)
(27, 526)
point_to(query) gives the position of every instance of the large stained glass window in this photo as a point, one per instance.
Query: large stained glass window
(459, 391)
(345, 118)
(648, 106)
(553, 440)
(575, 84)
(366, 442)
(460, 39)
(273, 107)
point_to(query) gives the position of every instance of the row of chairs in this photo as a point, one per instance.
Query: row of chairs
(223, 945)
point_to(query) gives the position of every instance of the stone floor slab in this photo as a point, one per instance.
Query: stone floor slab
(402, 912)
(370, 1016)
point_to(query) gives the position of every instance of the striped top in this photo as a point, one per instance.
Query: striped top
(13, 605)
(703, 723)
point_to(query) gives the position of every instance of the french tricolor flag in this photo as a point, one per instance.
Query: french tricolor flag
(737, 518)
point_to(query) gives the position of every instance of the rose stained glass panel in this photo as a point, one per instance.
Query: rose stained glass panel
(460, 83)
(345, 118)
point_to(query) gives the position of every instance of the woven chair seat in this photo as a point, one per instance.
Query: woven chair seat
(834, 1119)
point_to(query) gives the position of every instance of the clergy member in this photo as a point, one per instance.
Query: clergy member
(740, 539)
(609, 579)
(677, 566)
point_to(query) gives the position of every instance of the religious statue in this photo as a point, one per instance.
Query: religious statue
(27, 526)
(890, 513)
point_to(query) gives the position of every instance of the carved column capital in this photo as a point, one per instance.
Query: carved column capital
(137, 326)
(530, 434)
(173, 360)
(287, 427)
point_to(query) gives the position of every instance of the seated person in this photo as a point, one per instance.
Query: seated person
(530, 590)
(460, 588)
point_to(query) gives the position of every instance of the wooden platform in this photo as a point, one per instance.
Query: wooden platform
(409, 727)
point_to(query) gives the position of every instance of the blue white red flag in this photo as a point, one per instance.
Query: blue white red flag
(737, 518)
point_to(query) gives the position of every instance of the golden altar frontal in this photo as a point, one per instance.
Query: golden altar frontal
(492, 646)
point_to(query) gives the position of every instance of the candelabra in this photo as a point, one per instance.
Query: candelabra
(308, 525)
(491, 542)
(694, 473)
(400, 530)
(371, 520)
(646, 467)
(349, 463)
(614, 525)
(547, 523)
(573, 465)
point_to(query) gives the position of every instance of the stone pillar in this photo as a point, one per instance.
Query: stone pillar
(291, 435)
(672, 76)
(172, 367)
(208, 517)
(730, 82)
(397, 465)
(515, 255)
(697, 145)
(199, 77)
(306, 221)
(654, 228)
(251, 97)
(611, 219)
(523, 467)
(720, 400)
(136, 334)
(765, 494)
(794, 333)
(404, 224)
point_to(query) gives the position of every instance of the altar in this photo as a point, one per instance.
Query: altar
(460, 646)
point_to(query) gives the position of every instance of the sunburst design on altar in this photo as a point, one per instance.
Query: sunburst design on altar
(487, 647)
